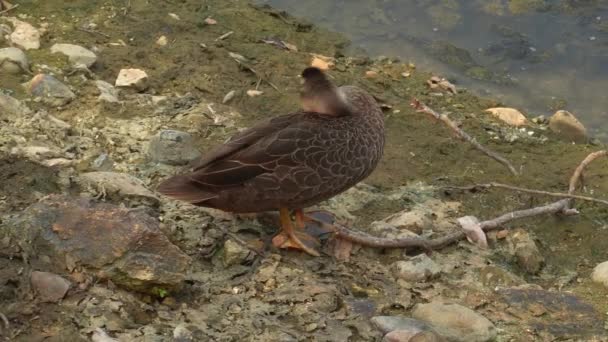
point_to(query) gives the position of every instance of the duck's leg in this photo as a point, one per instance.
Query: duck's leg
(289, 237)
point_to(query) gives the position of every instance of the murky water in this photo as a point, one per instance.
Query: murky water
(537, 55)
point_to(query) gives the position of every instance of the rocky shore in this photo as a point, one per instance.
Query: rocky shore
(100, 101)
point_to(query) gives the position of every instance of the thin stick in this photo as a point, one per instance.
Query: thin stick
(9, 9)
(560, 207)
(93, 32)
(421, 107)
(531, 191)
(257, 74)
(575, 179)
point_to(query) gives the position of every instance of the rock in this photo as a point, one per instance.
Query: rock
(523, 247)
(162, 41)
(322, 62)
(418, 268)
(50, 90)
(181, 333)
(387, 324)
(132, 78)
(371, 74)
(107, 92)
(427, 336)
(49, 286)
(567, 126)
(456, 322)
(111, 242)
(172, 147)
(24, 35)
(122, 184)
(99, 335)
(557, 316)
(407, 336)
(13, 61)
(102, 163)
(234, 253)
(11, 106)
(510, 116)
(600, 274)
(77, 54)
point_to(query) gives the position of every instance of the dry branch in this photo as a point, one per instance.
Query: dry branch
(421, 107)
(526, 190)
(560, 207)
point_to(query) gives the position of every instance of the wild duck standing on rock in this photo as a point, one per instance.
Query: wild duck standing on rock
(292, 161)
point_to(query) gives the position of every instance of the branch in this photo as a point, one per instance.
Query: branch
(575, 179)
(422, 108)
(560, 207)
(530, 191)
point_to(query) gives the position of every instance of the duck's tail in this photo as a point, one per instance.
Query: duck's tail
(183, 188)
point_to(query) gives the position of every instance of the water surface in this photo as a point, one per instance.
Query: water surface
(536, 55)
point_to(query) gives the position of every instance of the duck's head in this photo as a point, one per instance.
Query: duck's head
(320, 96)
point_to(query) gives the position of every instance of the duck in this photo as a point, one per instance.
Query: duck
(290, 162)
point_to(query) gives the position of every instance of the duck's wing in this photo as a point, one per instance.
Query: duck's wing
(247, 155)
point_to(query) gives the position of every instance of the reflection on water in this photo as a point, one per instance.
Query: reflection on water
(538, 55)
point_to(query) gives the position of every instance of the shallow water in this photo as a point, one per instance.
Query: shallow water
(537, 55)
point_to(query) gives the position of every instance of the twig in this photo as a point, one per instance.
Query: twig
(575, 179)
(224, 36)
(421, 107)
(367, 240)
(9, 9)
(531, 191)
(257, 74)
(5, 323)
(560, 207)
(93, 32)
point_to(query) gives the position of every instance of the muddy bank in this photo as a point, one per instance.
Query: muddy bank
(230, 294)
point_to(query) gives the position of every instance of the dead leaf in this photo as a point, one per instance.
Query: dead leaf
(342, 249)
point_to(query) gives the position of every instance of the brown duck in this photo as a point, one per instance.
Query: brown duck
(292, 161)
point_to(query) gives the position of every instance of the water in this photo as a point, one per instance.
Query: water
(535, 55)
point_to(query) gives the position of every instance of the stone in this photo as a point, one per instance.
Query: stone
(50, 90)
(509, 116)
(172, 147)
(106, 240)
(387, 324)
(407, 336)
(13, 61)
(600, 274)
(234, 253)
(107, 92)
(49, 286)
(162, 41)
(557, 316)
(114, 183)
(181, 333)
(132, 78)
(427, 336)
(99, 335)
(418, 268)
(527, 254)
(11, 106)
(456, 322)
(322, 62)
(102, 163)
(24, 36)
(567, 126)
(77, 54)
